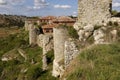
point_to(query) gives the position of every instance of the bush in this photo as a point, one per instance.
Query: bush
(72, 32)
(34, 72)
(50, 56)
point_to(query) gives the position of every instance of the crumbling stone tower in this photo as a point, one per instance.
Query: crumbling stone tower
(93, 11)
(32, 35)
(60, 35)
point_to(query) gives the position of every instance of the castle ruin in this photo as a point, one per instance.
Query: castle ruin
(90, 13)
(93, 11)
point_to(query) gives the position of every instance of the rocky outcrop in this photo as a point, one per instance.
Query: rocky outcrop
(22, 53)
(10, 55)
(85, 32)
(99, 36)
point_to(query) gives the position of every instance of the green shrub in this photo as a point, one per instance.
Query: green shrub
(34, 72)
(50, 56)
(72, 32)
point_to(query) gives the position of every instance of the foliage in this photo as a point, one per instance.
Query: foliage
(114, 12)
(50, 56)
(34, 72)
(72, 32)
(11, 70)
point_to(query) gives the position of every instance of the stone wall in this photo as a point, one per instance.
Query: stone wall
(40, 40)
(47, 46)
(27, 25)
(115, 19)
(32, 35)
(93, 11)
(70, 52)
(60, 35)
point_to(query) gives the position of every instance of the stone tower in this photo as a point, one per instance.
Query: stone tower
(93, 11)
(32, 35)
(60, 35)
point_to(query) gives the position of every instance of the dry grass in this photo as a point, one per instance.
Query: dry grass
(4, 32)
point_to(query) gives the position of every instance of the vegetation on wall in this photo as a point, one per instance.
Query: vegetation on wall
(72, 32)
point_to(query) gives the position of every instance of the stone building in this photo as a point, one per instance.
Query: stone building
(48, 28)
(46, 19)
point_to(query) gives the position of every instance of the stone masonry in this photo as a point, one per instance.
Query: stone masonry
(32, 35)
(93, 11)
(60, 35)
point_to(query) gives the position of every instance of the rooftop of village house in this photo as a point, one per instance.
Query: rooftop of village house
(50, 25)
(63, 18)
(48, 17)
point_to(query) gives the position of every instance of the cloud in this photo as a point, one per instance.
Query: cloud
(74, 12)
(62, 6)
(39, 4)
(16, 2)
(3, 2)
(116, 4)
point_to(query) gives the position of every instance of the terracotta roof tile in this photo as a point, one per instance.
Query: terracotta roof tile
(50, 25)
(63, 18)
(48, 17)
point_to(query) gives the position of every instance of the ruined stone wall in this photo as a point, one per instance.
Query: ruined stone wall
(47, 46)
(70, 52)
(40, 40)
(60, 35)
(32, 35)
(27, 25)
(93, 11)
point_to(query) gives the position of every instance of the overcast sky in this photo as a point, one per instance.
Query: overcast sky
(43, 7)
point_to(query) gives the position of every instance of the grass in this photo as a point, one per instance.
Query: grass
(102, 62)
(18, 68)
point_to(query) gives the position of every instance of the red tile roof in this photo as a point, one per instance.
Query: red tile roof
(48, 17)
(63, 19)
(50, 25)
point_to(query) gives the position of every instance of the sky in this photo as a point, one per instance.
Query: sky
(43, 7)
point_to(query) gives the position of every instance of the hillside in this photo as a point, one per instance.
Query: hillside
(11, 20)
(101, 62)
(20, 61)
